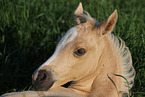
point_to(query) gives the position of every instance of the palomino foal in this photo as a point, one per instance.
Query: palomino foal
(89, 57)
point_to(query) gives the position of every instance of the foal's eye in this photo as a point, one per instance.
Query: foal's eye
(80, 52)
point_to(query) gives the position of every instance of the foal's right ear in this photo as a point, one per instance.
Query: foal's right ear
(107, 26)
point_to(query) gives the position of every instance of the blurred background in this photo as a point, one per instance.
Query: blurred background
(29, 30)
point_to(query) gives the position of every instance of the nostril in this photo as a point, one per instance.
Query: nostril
(42, 75)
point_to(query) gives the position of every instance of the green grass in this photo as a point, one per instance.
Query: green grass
(29, 30)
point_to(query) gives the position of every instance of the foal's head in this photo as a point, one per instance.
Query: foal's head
(76, 53)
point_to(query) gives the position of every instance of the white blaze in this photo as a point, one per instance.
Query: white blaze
(66, 38)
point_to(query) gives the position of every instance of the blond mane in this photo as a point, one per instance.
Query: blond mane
(127, 69)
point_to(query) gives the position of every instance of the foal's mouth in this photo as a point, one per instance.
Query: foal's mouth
(66, 85)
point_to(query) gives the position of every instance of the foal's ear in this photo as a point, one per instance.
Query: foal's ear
(77, 14)
(107, 26)
(79, 9)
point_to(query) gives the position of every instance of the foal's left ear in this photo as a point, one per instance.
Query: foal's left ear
(107, 26)
(79, 9)
(78, 14)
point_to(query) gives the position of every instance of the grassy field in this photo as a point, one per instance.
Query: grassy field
(29, 30)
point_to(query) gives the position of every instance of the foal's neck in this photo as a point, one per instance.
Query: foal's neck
(105, 83)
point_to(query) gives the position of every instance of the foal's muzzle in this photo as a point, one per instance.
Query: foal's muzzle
(43, 80)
